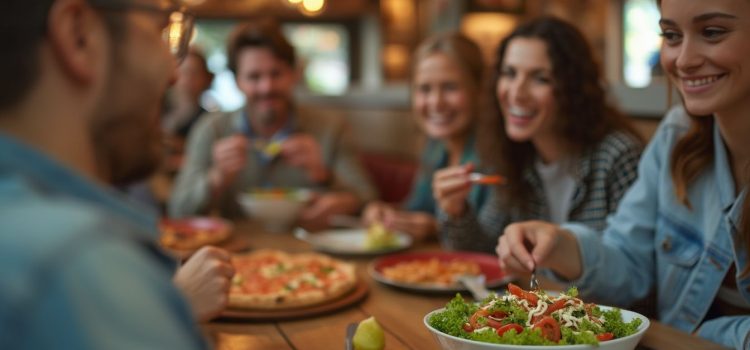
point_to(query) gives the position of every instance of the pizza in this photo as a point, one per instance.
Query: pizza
(272, 279)
(193, 233)
(432, 271)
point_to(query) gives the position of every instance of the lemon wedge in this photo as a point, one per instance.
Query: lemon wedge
(369, 335)
(378, 237)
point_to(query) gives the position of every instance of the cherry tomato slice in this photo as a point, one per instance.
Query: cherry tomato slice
(500, 331)
(557, 305)
(550, 328)
(474, 319)
(499, 314)
(605, 336)
(494, 323)
(517, 291)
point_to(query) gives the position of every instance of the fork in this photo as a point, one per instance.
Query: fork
(350, 330)
(484, 179)
(533, 283)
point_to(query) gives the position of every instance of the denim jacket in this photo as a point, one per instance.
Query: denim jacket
(654, 241)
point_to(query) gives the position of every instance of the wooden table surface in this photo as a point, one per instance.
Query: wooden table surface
(399, 312)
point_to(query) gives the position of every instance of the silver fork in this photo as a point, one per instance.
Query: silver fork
(533, 283)
(350, 330)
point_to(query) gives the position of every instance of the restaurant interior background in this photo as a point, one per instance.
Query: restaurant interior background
(356, 58)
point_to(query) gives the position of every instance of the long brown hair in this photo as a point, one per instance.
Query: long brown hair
(584, 117)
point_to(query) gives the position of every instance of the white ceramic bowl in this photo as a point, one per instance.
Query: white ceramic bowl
(449, 342)
(277, 212)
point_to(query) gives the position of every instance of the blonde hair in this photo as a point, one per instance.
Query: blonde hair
(459, 48)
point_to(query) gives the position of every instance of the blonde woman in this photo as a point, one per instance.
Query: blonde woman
(446, 85)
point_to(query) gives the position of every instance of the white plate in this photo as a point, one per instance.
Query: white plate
(349, 241)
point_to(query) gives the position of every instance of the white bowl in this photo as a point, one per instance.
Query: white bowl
(277, 213)
(449, 342)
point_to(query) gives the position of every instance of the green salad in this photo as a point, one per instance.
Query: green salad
(532, 318)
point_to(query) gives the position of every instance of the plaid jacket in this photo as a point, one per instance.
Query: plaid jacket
(604, 174)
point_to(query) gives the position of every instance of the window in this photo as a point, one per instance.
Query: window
(641, 42)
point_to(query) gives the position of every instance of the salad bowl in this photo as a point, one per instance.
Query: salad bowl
(526, 317)
(449, 342)
(276, 208)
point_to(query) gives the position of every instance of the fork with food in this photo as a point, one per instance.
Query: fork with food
(452, 187)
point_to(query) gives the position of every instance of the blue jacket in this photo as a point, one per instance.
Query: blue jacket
(654, 241)
(79, 265)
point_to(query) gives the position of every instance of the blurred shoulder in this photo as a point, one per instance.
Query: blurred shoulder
(219, 121)
(41, 236)
(677, 117)
(618, 143)
(41, 227)
(673, 126)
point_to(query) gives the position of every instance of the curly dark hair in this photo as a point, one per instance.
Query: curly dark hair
(583, 119)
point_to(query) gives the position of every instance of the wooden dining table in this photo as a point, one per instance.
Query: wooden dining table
(399, 312)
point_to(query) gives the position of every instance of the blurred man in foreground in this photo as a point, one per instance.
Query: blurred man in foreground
(79, 112)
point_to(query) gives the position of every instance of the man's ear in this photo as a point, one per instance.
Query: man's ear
(77, 35)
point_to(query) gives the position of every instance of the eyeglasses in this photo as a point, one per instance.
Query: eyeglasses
(178, 29)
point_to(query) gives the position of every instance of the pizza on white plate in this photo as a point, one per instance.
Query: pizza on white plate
(273, 280)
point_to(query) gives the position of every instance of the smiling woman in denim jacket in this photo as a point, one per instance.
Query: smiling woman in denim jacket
(683, 229)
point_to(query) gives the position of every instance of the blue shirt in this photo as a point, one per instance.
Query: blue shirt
(436, 157)
(654, 241)
(79, 268)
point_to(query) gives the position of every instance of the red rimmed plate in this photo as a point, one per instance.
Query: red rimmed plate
(186, 235)
(488, 266)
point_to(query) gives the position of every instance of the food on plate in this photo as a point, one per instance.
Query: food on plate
(432, 271)
(272, 279)
(191, 234)
(378, 237)
(369, 335)
(532, 318)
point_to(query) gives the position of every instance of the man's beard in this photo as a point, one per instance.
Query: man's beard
(269, 117)
(128, 147)
(126, 152)
(265, 118)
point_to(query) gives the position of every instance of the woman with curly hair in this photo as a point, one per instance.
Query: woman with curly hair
(565, 153)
